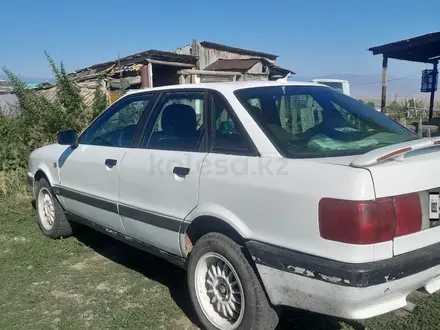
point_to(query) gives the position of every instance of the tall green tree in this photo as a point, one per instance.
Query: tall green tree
(100, 101)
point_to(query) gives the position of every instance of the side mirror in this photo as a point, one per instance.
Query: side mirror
(69, 138)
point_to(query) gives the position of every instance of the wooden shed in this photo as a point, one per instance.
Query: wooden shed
(198, 62)
(217, 62)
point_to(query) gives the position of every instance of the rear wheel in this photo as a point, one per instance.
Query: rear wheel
(224, 289)
(50, 215)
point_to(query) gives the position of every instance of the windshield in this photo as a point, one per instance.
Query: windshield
(314, 121)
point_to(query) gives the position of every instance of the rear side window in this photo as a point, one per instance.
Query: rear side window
(177, 122)
(315, 121)
(227, 134)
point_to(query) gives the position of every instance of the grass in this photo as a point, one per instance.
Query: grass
(91, 281)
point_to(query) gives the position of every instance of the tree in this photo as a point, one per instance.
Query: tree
(100, 101)
(38, 119)
(395, 111)
(69, 96)
(371, 104)
(415, 103)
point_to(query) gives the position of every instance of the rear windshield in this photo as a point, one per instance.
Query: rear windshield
(315, 121)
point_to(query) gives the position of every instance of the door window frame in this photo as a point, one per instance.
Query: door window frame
(114, 108)
(253, 151)
(150, 120)
(145, 125)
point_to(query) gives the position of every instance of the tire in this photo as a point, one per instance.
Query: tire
(50, 214)
(219, 250)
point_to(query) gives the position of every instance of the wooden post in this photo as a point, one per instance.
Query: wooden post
(150, 75)
(384, 84)
(147, 76)
(144, 76)
(431, 102)
(195, 52)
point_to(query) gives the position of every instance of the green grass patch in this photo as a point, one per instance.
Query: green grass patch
(92, 281)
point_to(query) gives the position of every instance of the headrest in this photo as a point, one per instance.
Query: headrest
(179, 120)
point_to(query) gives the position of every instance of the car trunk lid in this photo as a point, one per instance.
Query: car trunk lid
(405, 168)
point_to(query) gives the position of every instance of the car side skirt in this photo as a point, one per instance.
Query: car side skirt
(174, 259)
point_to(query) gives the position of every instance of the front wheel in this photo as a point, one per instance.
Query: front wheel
(50, 214)
(224, 289)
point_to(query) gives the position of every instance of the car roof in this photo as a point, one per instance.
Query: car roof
(225, 86)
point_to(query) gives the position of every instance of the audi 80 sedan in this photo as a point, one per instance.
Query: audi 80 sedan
(269, 194)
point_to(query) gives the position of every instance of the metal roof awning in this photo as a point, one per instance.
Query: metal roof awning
(425, 49)
(243, 65)
(217, 46)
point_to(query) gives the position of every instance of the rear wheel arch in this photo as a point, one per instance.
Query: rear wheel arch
(203, 225)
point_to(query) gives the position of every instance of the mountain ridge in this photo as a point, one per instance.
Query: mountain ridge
(370, 86)
(366, 86)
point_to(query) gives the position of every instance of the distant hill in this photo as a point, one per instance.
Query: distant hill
(28, 79)
(370, 87)
(362, 86)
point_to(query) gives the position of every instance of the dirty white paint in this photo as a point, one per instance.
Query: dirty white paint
(433, 285)
(332, 279)
(301, 271)
(299, 291)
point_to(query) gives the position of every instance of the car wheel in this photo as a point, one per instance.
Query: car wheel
(50, 214)
(224, 289)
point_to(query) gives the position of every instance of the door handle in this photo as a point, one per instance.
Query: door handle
(110, 162)
(181, 171)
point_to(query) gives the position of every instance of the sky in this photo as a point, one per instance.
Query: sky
(312, 37)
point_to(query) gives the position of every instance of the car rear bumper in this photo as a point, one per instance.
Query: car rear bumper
(353, 291)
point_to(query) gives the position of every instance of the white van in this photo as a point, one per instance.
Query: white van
(341, 85)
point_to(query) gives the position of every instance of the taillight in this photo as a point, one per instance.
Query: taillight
(369, 222)
(408, 214)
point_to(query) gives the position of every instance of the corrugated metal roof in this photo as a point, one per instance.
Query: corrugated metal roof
(275, 70)
(141, 56)
(241, 65)
(213, 45)
(425, 48)
(130, 61)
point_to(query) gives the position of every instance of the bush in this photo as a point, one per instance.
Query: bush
(13, 184)
(39, 120)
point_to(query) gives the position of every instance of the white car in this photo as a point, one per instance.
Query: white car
(268, 193)
(342, 86)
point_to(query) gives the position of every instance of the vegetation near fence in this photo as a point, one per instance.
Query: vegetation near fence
(37, 120)
(411, 109)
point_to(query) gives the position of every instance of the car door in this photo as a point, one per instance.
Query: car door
(159, 179)
(89, 173)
